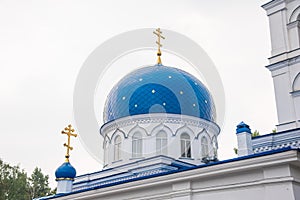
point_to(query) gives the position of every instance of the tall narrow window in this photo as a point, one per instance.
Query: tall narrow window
(161, 143)
(215, 146)
(117, 148)
(204, 147)
(185, 145)
(106, 145)
(137, 145)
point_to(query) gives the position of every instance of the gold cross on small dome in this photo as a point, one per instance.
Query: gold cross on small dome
(159, 36)
(69, 132)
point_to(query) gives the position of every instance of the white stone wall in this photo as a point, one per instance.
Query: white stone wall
(284, 16)
(149, 125)
(269, 177)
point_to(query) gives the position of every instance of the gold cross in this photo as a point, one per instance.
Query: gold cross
(158, 33)
(69, 132)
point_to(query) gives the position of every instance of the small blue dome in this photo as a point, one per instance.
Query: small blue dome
(159, 89)
(242, 127)
(66, 170)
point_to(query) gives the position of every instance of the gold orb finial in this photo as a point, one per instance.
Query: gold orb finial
(69, 131)
(159, 36)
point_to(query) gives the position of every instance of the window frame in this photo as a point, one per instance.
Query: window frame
(117, 148)
(185, 146)
(161, 143)
(137, 145)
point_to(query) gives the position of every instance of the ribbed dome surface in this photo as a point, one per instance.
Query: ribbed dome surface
(159, 89)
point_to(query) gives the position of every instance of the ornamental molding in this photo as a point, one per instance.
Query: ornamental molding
(277, 141)
(273, 4)
(137, 128)
(284, 63)
(160, 118)
(293, 24)
(293, 145)
(295, 93)
(185, 129)
(161, 127)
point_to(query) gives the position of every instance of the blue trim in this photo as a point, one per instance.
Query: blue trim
(242, 127)
(277, 133)
(175, 163)
(181, 170)
(105, 170)
(275, 142)
(186, 158)
(66, 170)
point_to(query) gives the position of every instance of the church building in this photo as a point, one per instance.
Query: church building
(161, 136)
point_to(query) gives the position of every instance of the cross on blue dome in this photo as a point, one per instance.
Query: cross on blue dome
(159, 89)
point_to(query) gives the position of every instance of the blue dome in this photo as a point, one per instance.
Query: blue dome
(242, 127)
(159, 89)
(66, 170)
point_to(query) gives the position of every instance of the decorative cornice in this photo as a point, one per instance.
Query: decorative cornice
(159, 118)
(272, 4)
(64, 179)
(293, 24)
(276, 141)
(295, 93)
(284, 63)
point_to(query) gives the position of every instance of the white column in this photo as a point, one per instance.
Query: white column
(243, 133)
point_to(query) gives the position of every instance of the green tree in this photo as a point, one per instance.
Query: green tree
(16, 185)
(13, 183)
(235, 150)
(255, 133)
(39, 184)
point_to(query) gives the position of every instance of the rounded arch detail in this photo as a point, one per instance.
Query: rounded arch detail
(185, 129)
(296, 83)
(116, 133)
(136, 129)
(295, 15)
(161, 127)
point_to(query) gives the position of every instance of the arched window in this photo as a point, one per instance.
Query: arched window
(137, 145)
(117, 148)
(204, 147)
(161, 143)
(185, 143)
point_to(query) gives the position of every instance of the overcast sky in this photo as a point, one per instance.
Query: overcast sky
(43, 45)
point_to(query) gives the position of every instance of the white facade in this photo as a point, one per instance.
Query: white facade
(64, 186)
(190, 139)
(139, 164)
(271, 177)
(284, 16)
(244, 144)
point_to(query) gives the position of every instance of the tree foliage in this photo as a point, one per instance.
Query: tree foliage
(16, 185)
(255, 133)
(39, 184)
(235, 150)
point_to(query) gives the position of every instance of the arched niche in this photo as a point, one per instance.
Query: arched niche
(185, 129)
(116, 133)
(161, 127)
(135, 129)
(296, 83)
(295, 15)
